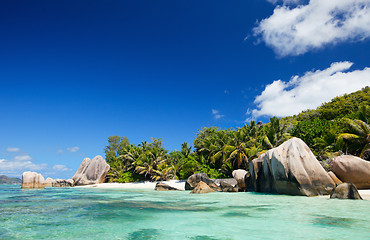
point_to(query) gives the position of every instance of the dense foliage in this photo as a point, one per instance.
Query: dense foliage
(340, 125)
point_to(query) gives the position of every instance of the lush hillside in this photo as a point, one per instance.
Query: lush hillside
(348, 105)
(340, 126)
(8, 180)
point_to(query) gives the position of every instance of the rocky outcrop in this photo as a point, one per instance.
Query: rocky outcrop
(352, 169)
(62, 183)
(202, 187)
(193, 181)
(164, 187)
(91, 171)
(290, 169)
(81, 169)
(32, 180)
(230, 181)
(255, 179)
(48, 182)
(226, 187)
(334, 178)
(241, 175)
(346, 191)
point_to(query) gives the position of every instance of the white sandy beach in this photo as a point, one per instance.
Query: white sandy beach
(365, 194)
(138, 185)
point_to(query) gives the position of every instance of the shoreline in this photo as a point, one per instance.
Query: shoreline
(179, 184)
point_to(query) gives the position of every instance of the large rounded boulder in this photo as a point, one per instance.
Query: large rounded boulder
(346, 191)
(352, 169)
(32, 180)
(85, 163)
(291, 169)
(91, 172)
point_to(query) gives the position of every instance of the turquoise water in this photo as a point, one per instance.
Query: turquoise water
(76, 213)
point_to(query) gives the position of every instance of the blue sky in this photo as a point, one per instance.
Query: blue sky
(73, 73)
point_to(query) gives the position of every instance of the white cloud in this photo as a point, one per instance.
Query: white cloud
(310, 90)
(12, 149)
(22, 158)
(299, 29)
(16, 167)
(61, 168)
(60, 151)
(216, 114)
(73, 149)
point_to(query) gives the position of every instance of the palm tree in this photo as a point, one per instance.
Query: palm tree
(275, 133)
(185, 149)
(357, 140)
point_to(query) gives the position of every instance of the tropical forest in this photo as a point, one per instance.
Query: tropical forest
(340, 126)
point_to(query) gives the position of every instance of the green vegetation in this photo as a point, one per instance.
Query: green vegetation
(340, 125)
(8, 180)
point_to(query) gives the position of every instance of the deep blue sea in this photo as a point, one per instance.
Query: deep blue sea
(90, 213)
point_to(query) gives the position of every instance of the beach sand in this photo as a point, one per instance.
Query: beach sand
(137, 185)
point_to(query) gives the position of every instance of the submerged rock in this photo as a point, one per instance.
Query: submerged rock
(291, 169)
(62, 183)
(193, 181)
(91, 172)
(352, 169)
(32, 180)
(202, 187)
(164, 187)
(241, 175)
(346, 191)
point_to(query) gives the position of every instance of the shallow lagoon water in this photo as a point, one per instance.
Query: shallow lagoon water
(90, 213)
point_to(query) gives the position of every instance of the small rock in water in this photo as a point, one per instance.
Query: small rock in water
(346, 191)
(62, 183)
(196, 178)
(164, 187)
(49, 182)
(202, 187)
(225, 187)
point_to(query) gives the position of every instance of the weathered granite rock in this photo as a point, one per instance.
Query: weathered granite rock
(81, 169)
(62, 183)
(253, 181)
(225, 187)
(352, 169)
(346, 191)
(241, 176)
(291, 169)
(230, 181)
(164, 187)
(48, 182)
(334, 178)
(196, 178)
(202, 187)
(32, 180)
(94, 172)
